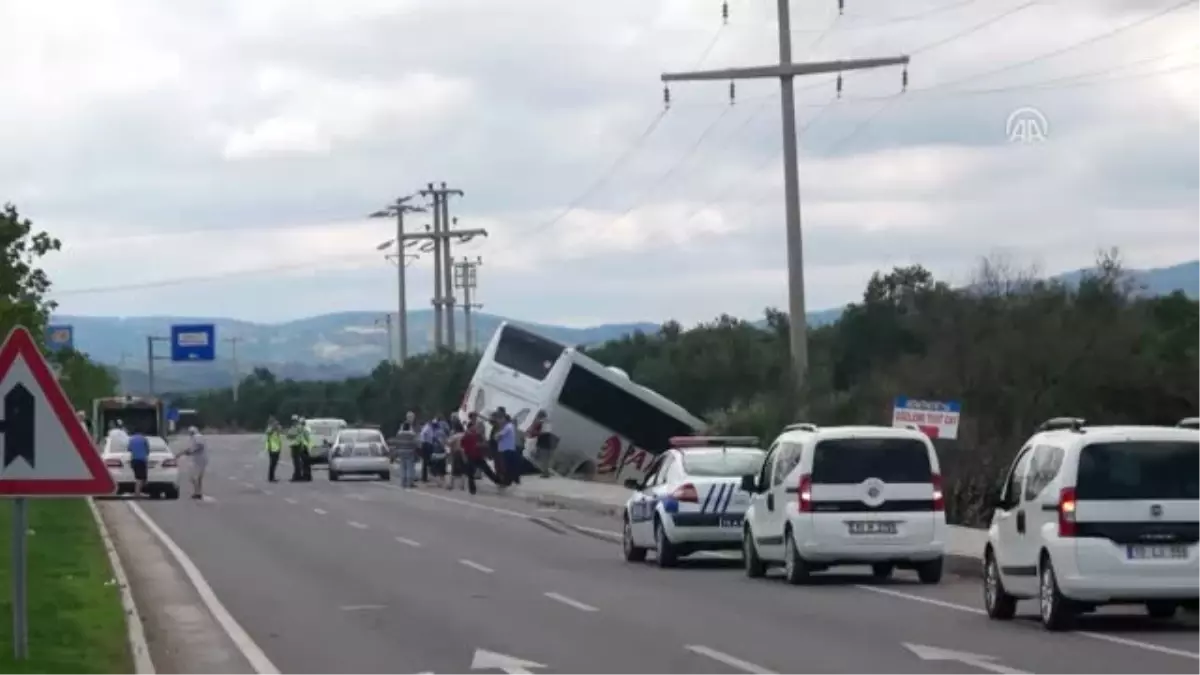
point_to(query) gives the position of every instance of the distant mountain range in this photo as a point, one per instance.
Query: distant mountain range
(336, 346)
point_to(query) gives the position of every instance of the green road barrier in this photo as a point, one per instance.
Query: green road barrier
(76, 623)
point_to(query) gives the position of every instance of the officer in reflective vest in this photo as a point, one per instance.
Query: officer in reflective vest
(295, 440)
(274, 448)
(306, 440)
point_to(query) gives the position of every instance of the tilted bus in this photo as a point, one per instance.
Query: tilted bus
(608, 426)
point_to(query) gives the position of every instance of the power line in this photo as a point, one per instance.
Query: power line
(977, 27)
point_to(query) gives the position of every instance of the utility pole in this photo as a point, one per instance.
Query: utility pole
(466, 277)
(443, 291)
(237, 380)
(151, 358)
(787, 71)
(387, 319)
(397, 209)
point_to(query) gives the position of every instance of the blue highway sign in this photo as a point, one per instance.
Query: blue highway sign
(60, 336)
(194, 342)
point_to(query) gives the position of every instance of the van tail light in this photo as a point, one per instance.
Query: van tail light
(804, 491)
(939, 497)
(170, 463)
(1066, 512)
(113, 463)
(686, 493)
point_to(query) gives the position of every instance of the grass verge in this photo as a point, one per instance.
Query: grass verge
(76, 624)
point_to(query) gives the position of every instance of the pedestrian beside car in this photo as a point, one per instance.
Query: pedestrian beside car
(197, 454)
(408, 445)
(139, 454)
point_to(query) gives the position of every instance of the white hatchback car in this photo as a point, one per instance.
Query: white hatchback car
(855, 495)
(162, 469)
(690, 499)
(1096, 515)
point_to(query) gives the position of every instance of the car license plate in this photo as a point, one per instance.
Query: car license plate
(730, 521)
(1139, 552)
(871, 527)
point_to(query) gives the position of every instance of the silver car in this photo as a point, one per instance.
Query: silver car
(359, 452)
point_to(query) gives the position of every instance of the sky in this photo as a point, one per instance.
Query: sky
(218, 158)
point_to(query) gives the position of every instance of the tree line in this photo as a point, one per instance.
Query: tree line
(24, 288)
(1014, 349)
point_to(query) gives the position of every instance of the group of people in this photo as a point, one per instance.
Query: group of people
(137, 445)
(299, 440)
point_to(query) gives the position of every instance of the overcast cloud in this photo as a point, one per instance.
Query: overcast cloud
(169, 143)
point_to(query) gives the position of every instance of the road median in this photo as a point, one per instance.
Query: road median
(76, 618)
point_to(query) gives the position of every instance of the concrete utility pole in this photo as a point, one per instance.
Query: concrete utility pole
(387, 319)
(237, 380)
(787, 71)
(440, 239)
(397, 209)
(151, 358)
(466, 277)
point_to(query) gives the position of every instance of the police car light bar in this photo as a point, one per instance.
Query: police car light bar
(713, 441)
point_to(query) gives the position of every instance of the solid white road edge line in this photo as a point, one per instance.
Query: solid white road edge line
(1126, 642)
(571, 602)
(731, 661)
(361, 608)
(245, 644)
(476, 566)
(135, 630)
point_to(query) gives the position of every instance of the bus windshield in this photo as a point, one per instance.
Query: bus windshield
(528, 354)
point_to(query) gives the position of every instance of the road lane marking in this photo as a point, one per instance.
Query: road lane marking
(361, 608)
(355, 524)
(291, 501)
(320, 512)
(731, 661)
(476, 566)
(571, 602)
(409, 542)
(485, 507)
(248, 485)
(210, 500)
(241, 639)
(1103, 637)
(267, 492)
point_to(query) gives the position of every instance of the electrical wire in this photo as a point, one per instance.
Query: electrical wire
(977, 27)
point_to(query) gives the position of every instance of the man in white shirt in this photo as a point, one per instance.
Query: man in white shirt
(117, 438)
(539, 442)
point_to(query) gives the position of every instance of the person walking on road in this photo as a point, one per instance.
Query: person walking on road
(274, 444)
(473, 445)
(197, 453)
(456, 459)
(139, 455)
(506, 448)
(407, 447)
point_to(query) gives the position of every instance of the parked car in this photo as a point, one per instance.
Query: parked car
(359, 452)
(162, 469)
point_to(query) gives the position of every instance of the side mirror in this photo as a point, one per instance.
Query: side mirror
(633, 484)
(998, 501)
(750, 483)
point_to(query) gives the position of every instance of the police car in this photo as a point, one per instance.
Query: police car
(690, 499)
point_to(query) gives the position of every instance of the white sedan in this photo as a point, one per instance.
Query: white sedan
(162, 469)
(359, 452)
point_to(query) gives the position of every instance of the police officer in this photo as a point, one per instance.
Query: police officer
(306, 441)
(274, 448)
(295, 440)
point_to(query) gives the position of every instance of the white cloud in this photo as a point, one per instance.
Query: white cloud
(200, 139)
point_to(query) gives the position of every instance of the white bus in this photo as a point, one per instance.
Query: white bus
(609, 427)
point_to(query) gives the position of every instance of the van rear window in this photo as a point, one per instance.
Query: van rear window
(1139, 470)
(853, 460)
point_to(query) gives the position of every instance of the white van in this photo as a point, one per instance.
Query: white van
(857, 495)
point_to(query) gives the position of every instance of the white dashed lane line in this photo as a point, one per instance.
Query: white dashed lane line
(356, 525)
(408, 542)
(726, 659)
(476, 566)
(320, 512)
(571, 602)
(291, 501)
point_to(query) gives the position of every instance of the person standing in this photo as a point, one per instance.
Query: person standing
(198, 454)
(139, 456)
(455, 457)
(506, 447)
(407, 447)
(473, 447)
(274, 445)
(427, 437)
(541, 442)
(306, 439)
(295, 441)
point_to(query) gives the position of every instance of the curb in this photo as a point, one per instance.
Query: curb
(134, 628)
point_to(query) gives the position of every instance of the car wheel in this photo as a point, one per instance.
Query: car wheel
(385, 476)
(633, 553)
(171, 492)
(1161, 609)
(665, 553)
(796, 569)
(755, 567)
(1056, 611)
(998, 603)
(333, 475)
(882, 571)
(930, 571)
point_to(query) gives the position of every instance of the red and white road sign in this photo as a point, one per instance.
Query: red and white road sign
(44, 450)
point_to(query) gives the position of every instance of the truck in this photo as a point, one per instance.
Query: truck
(144, 414)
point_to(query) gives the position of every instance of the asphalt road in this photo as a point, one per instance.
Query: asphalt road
(366, 577)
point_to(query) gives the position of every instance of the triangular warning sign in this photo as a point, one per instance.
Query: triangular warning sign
(44, 450)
